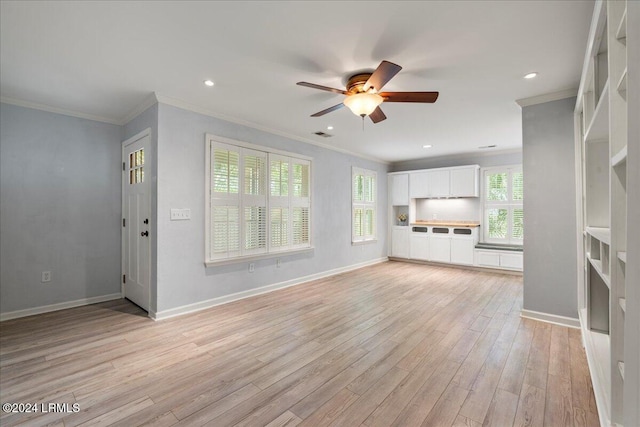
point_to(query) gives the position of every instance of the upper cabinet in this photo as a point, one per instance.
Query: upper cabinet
(419, 185)
(461, 181)
(464, 181)
(399, 184)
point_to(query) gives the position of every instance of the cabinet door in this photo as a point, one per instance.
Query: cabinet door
(440, 249)
(419, 185)
(511, 261)
(400, 242)
(419, 246)
(439, 185)
(462, 251)
(400, 190)
(464, 182)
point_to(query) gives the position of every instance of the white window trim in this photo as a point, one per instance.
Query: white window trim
(359, 240)
(269, 253)
(509, 204)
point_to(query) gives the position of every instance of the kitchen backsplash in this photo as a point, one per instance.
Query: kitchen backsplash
(465, 209)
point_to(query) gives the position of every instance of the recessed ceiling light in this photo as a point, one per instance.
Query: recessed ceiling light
(427, 146)
(530, 75)
(208, 82)
(330, 127)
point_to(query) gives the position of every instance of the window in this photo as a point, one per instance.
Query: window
(258, 201)
(363, 205)
(503, 212)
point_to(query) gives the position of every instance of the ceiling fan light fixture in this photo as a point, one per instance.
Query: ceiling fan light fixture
(363, 104)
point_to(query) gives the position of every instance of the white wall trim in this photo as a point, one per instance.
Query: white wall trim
(57, 110)
(547, 97)
(202, 305)
(55, 307)
(163, 99)
(569, 322)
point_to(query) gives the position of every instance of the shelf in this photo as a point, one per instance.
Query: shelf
(620, 157)
(621, 369)
(600, 233)
(597, 265)
(621, 32)
(623, 304)
(622, 84)
(599, 127)
(622, 256)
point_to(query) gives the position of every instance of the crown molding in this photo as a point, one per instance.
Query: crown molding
(163, 99)
(57, 110)
(150, 100)
(548, 97)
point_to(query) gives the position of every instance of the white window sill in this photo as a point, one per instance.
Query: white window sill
(235, 260)
(364, 242)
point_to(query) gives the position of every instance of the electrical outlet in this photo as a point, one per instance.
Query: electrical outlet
(46, 276)
(252, 267)
(278, 262)
(434, 216)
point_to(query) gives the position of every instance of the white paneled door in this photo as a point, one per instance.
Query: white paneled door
(136, 226)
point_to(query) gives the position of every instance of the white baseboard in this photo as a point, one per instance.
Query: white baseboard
(569, 322)
(190, 308)
(55, 307)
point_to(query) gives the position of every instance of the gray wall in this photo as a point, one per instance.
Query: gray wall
(550, 282)
(59, 208)
(182, 277)
(484, 159)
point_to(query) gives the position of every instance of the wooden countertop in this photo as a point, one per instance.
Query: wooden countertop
(443, 223)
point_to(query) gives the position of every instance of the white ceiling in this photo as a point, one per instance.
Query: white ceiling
(105, 58)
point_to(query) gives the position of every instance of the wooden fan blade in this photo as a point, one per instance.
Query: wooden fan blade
(381, 76)
(426, 97)
(328, 110)
(377, 115)
(315, 86)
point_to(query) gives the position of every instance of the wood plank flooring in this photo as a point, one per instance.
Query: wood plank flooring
(395, 344)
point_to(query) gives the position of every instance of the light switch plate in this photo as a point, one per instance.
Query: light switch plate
(180, 214)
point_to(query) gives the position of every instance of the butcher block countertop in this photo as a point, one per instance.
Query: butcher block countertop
(444, 223)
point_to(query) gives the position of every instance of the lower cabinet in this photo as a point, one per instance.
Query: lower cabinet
(419, 246)
(462, 251)
(400, 242)
(440, 249)
(500, 259)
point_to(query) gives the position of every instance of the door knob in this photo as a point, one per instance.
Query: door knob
(144, 233)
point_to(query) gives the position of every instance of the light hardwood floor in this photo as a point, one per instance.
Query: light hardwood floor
(395, 344)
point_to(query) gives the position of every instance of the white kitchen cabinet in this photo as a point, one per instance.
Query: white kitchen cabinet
(507, 260)
(462, 251)
(440, 248)
(419, 246)
(418, 185)
(399, 189)
(400, 242)
(439, 183)
(464, 182)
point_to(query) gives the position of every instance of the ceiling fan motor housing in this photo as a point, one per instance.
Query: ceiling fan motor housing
(356, 83)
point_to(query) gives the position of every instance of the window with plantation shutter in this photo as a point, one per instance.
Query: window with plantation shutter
(363, 205)
(503, 205)
(258, 201)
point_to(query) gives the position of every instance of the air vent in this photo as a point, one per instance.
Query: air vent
(323, 134)
(487, 146)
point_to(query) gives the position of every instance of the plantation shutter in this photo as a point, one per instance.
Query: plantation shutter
(225, 201)
(363, 205)
(254, 201)
(279, 202)
(300, 202)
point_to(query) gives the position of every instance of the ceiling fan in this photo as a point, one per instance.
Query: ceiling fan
(364, 96)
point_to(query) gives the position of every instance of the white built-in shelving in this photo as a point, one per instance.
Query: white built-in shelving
(602, 118)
